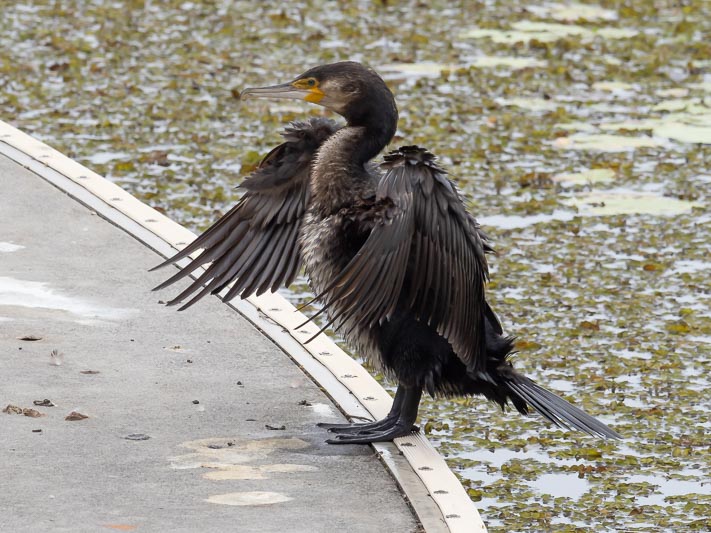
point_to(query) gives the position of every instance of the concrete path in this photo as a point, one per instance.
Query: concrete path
(196, 421)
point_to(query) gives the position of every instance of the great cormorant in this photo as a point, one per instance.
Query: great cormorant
(390, 251)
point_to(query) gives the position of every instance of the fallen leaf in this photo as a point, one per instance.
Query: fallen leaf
(274, 428)
(89, 372)
(30, 338)
(12, 410)
(137, 436)
(74, 415)
(32, 413)
(43, 403)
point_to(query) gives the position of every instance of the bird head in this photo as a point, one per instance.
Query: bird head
(350, 89)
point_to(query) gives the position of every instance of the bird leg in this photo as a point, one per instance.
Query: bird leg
(388, 421)
(390, 427)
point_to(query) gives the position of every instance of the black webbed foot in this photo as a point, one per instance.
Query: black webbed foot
(383, 424)
(330, 426)
(398, 429)
(399, 422)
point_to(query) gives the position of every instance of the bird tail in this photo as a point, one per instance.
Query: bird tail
(505, 384)
(554, 408)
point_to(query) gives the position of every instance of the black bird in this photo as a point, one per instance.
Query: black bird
(390, 251)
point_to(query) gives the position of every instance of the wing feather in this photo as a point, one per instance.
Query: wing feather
(424, 252)
(255, 245)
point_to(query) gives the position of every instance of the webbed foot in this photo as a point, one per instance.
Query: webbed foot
(399, 422)
(385, 423)
(398, 429)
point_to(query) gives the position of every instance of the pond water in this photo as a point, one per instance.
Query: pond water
(579, 135)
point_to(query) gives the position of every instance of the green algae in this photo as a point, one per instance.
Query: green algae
(610, 310)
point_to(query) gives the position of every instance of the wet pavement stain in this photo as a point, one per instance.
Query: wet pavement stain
(249, 498)
(225, 472)
(41, 298)
(225, 459)
(8, 247)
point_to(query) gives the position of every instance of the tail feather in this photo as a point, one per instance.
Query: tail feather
(556, 409)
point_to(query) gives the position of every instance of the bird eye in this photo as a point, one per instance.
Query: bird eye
(311, 82)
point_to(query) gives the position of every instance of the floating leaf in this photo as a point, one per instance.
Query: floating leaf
(545, 32)
(523, 345)
(423, 68)
(605, 142)
(678, 327)
(623, 202)
(613, 86)
(572, 11)
(685, 133)
(532, 104)
(433, 69)
(514, 63)
(595, 175)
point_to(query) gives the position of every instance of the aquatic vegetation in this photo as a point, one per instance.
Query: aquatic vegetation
(543, 121)
(594, 175)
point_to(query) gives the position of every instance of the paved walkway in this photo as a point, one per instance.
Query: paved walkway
(196, 421)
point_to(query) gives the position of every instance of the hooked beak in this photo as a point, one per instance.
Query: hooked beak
(283, 91)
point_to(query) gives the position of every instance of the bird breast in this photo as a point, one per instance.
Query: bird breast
(327, 246)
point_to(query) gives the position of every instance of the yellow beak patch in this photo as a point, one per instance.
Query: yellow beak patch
(314, 94)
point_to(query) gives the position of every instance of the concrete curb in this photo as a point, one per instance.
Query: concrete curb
(352, 388)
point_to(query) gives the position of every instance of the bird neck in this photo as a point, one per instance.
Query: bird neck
(378, 122)
(339, 175)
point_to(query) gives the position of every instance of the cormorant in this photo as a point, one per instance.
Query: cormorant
(390, 251)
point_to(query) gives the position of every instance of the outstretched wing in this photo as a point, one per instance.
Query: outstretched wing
(255, 245)
(425, 252)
